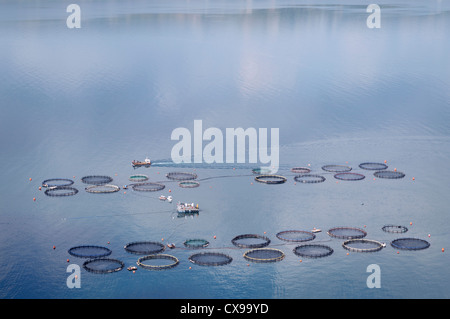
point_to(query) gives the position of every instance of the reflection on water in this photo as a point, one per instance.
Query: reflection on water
(88, 101)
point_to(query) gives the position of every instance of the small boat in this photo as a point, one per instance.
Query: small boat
(132, 268)
(145, 163)
(187, 208)
(169, 199)
(162, 197)
(171, 246)
(316, 230)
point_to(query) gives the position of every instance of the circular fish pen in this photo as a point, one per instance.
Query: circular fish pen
(313, 250)
(261, 171)
(389, 174)
(270, 179)
(181, 176)
(309, 178)
(300, 170)
(148, 187)
(189, 184)
(158, 262)
(336, 168)
(103, 265)
(347, 232)
(196, 243)
(250, 241)
(373, 166)
(96, 180)
(295, 235)
(138, 178)
(349, 176)
(61, 191)
(410, 244)
(89, 251)
(264, 255)
(363, 245)
(57, 182)
(210, 259)
(144, 247)
(102, 189)
(394, 229)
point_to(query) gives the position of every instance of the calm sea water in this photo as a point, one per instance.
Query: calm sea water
(77, 102)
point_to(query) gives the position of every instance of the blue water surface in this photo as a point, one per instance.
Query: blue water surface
(88, 101)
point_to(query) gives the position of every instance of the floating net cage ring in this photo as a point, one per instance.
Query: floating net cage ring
(373, 166)
(349, 176)
(189, 184)
(174, 262)
(144, 247)
(270, 179)
(250, 241)
(394, 229)
(389, 174)
(264, 255)
(309, 178)
(138, 178)
(210, 259)
(89, 251)
(102, 189)
(347, 232)
(148, 187)
(300, 170)
(103, 265)
(61, 191)
(410, 243)
(336, 168)
(181, 176)
(295, 235)
(363, 245)
(51, 182)
(196, 243)
(313, 250)
(261, 170)
(96, 179)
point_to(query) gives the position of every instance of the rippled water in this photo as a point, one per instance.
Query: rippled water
(77, 102)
